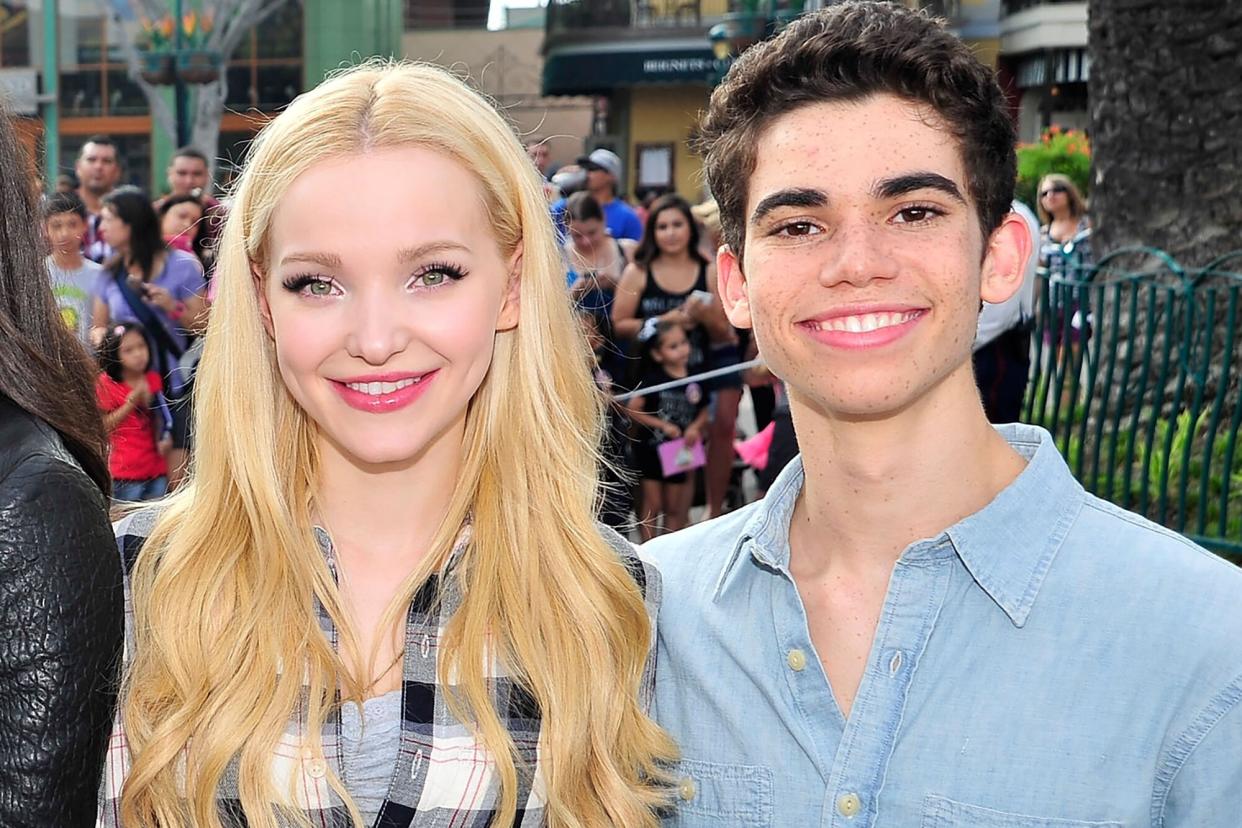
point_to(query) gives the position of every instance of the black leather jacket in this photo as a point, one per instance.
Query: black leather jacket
(61, 628)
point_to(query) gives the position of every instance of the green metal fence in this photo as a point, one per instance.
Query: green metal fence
(1136, 369)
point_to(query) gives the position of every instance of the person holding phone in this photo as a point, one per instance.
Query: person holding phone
(670, 281)
(158, 287)
(147, 282)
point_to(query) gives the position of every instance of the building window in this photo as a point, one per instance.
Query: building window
(14, 33)
(265, 72)
(94, 78)
(446, 14)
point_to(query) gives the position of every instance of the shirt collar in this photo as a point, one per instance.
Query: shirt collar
(1007, 546)
(324, 539)
(766, 531)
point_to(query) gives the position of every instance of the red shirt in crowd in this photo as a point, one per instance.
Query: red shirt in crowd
(134, 455)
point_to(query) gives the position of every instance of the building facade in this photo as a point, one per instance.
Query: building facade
(506, 64)
(1044, 54)
(649, 67)
(282, 56)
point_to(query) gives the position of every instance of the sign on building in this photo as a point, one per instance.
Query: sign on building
(19, 89)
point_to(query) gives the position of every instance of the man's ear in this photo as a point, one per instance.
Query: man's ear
(1004, 264)
(265, 308)
(511, 310)
(732, 285)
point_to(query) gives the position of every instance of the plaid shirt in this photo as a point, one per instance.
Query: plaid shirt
(442, 776)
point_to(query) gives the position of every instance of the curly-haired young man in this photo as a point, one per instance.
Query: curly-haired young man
(926, 621)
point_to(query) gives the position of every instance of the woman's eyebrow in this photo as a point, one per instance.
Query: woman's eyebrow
(420, 251)
(313, 257)
(405, 255)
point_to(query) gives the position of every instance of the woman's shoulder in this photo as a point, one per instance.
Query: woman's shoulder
(132, 530)
(182, 264)
(641, 570)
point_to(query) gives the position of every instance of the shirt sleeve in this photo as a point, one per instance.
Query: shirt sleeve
(633, 227)
(106, 395)
(1199, 783)
(188, 277)
(101, 285)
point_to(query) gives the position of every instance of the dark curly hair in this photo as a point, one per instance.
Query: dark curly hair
(848, 52)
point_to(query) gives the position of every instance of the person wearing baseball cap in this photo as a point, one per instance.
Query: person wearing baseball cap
(603, 174)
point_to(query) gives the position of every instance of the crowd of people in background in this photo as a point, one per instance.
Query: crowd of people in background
(131, 276)
(642, 276)
(131, 273)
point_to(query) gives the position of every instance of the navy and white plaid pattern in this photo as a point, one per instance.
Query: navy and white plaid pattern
(443, 777)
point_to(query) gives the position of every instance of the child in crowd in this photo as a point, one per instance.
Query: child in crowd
(180, 224)
(673, 414)
(616, 486)
(136, 415)
(73, 276)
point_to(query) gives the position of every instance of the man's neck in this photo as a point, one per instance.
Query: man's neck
(603, 195)
(873, 487)
(92, 200)
(67, 259)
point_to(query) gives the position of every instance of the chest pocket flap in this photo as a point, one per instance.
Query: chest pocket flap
(708, 793)
(939, 812)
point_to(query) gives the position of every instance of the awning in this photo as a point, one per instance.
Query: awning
(600, 68)
(1054, 66)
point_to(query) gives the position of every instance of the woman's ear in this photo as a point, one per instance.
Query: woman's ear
(511, 310)
(260, 293)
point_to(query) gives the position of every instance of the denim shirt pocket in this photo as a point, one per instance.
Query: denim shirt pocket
(939, 812)
(712, 794)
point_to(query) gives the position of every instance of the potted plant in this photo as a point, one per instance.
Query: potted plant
(155, 39)
(196, 64)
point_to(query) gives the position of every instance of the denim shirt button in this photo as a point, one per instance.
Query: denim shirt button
(849, 804)
(797, 660)
(685, 789)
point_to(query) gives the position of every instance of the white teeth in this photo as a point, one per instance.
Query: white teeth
(866, 322)
(374, 389)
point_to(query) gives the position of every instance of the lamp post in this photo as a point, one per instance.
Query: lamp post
(180, 93)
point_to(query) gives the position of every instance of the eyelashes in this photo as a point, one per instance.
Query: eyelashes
(428, 277)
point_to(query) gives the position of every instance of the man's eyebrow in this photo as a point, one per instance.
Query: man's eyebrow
(900, 185)
(793, 197)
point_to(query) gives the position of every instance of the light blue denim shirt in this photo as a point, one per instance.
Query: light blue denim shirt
(1049, 662)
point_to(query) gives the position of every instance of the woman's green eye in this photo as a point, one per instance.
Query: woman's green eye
(433, 278)
(320, 288)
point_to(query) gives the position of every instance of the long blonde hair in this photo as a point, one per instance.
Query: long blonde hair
(225, 627)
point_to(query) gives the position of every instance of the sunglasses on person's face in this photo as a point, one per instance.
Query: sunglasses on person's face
(1055, 188)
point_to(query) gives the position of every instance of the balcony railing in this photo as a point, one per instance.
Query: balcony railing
(565, 16)
(1009, 7)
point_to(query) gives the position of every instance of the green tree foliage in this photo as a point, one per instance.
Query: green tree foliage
(1059, 151)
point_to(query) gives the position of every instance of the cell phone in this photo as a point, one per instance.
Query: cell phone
(137, 285)
(704, 296)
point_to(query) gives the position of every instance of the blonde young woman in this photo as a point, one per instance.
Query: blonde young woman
(382, 597)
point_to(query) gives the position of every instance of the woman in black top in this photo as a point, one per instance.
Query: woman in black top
(61, 601)
(670, 281)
